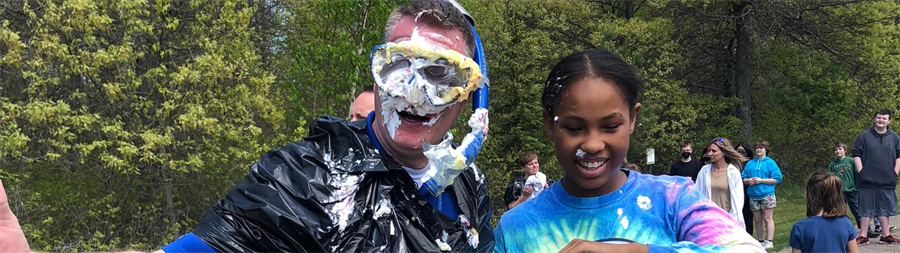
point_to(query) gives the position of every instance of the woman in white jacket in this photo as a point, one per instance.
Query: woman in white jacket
(720, 180)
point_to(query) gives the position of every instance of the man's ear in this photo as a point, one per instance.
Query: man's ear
(634, 115)
(549, 125)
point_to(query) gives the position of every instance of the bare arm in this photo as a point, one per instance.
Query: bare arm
(858, 162)
(579, 245)
(852, 247)
(897, 166)
(522, 198)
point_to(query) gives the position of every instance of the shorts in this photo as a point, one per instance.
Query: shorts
(877, 202)
(767, 202)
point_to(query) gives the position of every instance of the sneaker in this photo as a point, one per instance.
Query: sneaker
(888, 240)
(862, 240)
(878, 229)
(768, 244)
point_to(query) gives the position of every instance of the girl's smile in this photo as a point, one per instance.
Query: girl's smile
(591, 136)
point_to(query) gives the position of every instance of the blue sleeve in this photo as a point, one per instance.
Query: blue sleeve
(745, 173)
(188, 243)
(660, 249)
(796, 237)
(499, 243)
(851, 228)
(775, 172)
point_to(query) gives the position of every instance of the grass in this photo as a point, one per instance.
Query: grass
(790, 209)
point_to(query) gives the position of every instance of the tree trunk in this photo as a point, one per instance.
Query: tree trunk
(629, 9)
(742, 68)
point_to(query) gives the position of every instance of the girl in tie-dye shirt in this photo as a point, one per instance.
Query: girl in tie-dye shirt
(590, 106)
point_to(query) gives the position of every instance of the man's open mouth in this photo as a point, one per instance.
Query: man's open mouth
(406, 116)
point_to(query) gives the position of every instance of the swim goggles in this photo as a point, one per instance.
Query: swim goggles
(418, 73)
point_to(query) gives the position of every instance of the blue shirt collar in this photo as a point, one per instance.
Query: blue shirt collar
(371, 133)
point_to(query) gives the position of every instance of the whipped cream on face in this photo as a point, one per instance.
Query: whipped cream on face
(580, 153)
(433, 119)
(392, 106)
(404, 91)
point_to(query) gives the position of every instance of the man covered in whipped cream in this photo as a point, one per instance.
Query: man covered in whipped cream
(394, 182)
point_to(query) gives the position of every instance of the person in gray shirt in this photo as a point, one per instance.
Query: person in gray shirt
(876, 154)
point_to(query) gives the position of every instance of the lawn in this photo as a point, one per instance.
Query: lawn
(790, 209)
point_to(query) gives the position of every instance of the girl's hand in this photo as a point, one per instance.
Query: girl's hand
(579, 245)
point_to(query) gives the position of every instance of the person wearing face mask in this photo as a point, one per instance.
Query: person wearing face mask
(742, 148)
(686, 167)
(704, 157)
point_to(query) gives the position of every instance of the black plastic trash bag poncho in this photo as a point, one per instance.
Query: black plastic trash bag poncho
(334, 192)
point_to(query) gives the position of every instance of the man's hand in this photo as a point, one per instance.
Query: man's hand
(12, 239)
(522, 198)
(897, 166)
(579, 245)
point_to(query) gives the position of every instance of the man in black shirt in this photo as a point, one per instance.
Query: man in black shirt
(517, 191)
(686, 167)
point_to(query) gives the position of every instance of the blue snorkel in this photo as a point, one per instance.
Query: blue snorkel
(444, 166)
(481, 94)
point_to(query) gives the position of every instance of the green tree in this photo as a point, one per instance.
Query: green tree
(329, 43)
(130, 117)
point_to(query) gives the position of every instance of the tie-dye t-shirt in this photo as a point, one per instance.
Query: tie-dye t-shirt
(666, 213)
